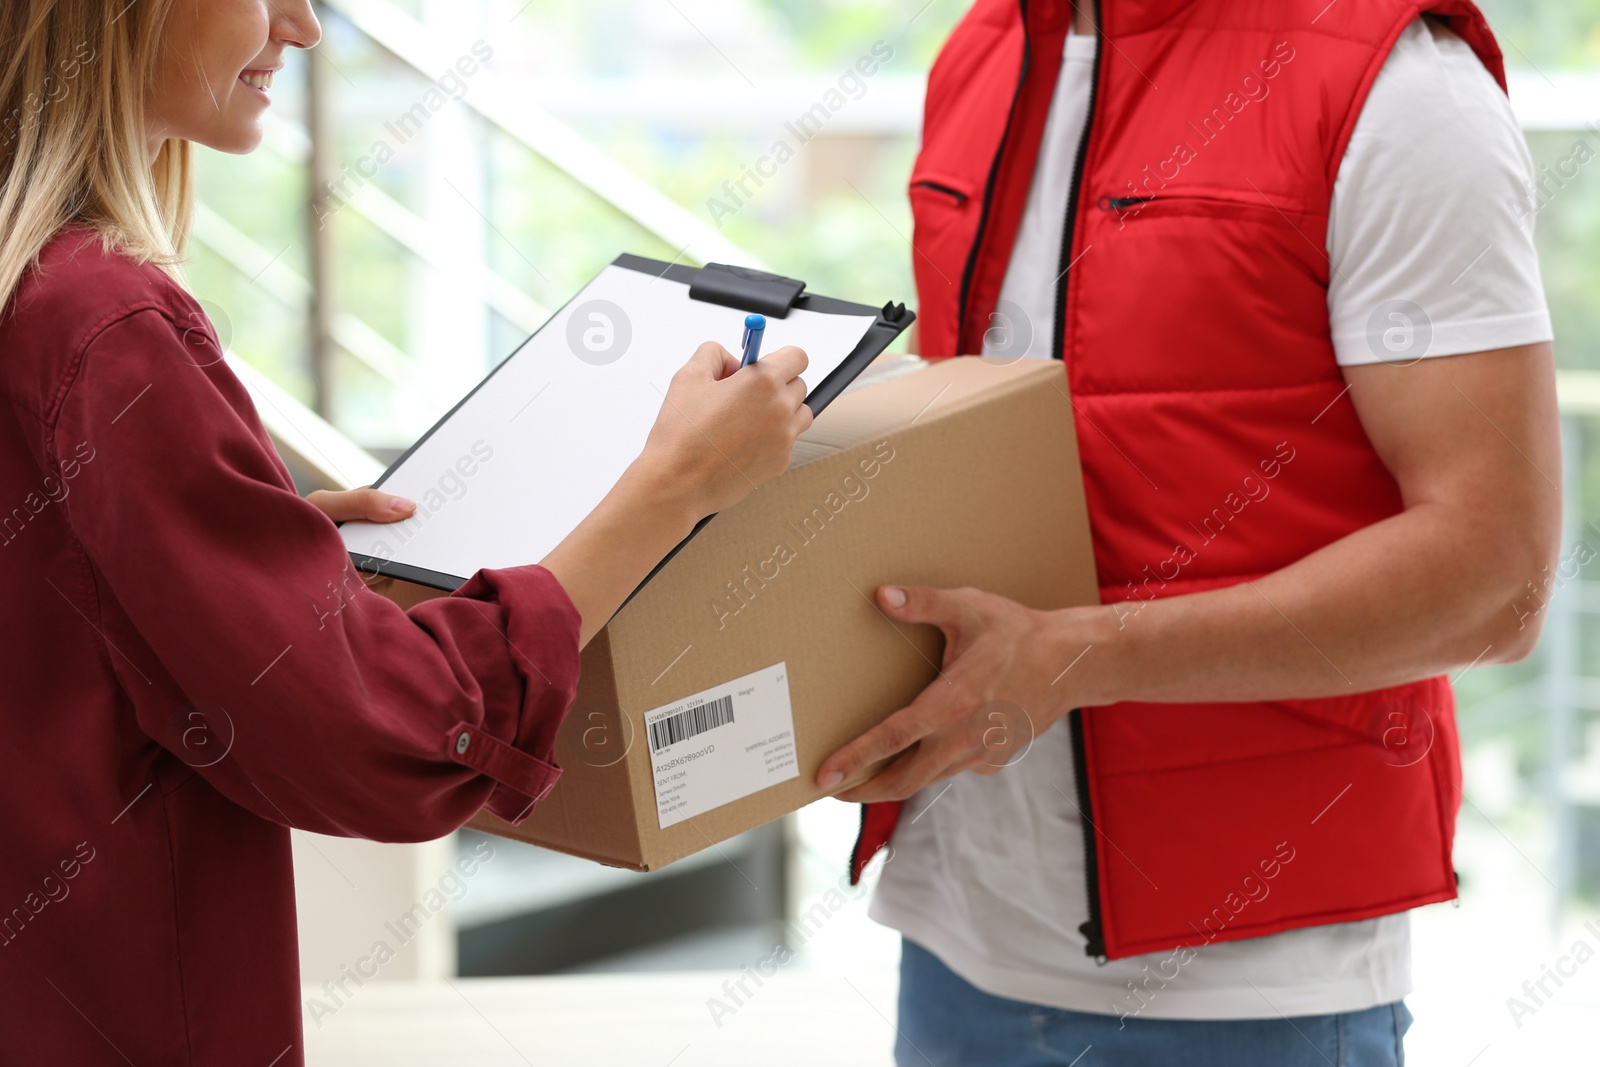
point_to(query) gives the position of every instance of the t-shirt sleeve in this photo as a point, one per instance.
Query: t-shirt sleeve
(1430, 232)
(246, 641)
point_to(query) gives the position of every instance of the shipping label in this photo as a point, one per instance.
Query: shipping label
(722, 744)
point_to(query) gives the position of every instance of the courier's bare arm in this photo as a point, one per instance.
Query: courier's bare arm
(1474, 443)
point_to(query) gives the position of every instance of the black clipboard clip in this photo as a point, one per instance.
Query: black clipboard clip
(746, 289)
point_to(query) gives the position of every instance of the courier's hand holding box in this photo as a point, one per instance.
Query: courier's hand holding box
(710, 700)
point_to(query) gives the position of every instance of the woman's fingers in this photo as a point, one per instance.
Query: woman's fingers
(366, 504)
(786, 363)
(796, 391)
(802, 420)
(710, 363)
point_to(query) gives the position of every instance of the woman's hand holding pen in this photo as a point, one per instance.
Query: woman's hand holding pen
(723, 431)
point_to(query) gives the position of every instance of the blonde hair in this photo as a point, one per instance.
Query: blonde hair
(73, 144)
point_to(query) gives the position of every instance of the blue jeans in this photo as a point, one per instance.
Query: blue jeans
(947, 1022)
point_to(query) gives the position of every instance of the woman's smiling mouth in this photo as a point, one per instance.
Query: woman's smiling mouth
(259, 80)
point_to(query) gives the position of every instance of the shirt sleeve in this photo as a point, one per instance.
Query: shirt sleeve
(1430, 232)
(246, 641)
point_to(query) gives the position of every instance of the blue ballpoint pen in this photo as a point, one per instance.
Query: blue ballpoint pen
(754, 327)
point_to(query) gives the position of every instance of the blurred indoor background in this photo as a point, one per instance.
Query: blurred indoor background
(408, 225)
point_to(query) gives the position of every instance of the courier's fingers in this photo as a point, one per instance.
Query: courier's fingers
(948, 609)
(935, 758)
(892, 736)
(366, 504)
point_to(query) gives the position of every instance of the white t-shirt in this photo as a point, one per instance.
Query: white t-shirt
(988, 873)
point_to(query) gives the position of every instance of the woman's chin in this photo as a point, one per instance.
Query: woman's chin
(237, 141)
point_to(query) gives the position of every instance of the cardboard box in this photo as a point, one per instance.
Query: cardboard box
(961, 474)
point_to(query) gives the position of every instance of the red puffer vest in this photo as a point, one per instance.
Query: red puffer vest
(1217, 445)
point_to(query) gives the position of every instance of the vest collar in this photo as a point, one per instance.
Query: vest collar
(1115, 17)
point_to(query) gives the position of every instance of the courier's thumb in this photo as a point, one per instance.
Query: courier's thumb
(915, 603)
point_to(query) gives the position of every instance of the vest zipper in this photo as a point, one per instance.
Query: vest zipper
(988, 186)
(1070, 226)
(1122, 203)
(1093, 930)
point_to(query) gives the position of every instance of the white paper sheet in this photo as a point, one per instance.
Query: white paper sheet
(530, 454)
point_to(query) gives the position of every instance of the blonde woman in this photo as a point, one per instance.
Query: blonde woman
(177, 695)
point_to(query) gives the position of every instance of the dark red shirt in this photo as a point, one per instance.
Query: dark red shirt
(190, 669)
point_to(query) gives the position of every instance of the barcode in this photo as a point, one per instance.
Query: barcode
(686, 724)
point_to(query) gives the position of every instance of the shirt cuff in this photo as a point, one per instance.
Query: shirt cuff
(1451, 337)
(528, 692)
(521, 780)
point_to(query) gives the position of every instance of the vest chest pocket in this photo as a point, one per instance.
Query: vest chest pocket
(948, 191)
(1247, 207)
(947, 211)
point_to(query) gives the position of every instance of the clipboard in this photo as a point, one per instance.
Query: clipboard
(473, 470)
